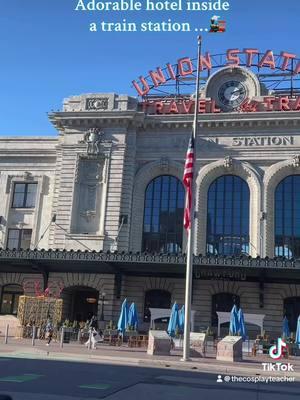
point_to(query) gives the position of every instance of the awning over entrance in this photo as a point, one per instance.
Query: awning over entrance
(144, 264)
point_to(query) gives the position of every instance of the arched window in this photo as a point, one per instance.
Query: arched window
(222, 302)
(156, 299)
(10, 299)
(163, 215)
(287, 217)
(228, 216)
(291, 309)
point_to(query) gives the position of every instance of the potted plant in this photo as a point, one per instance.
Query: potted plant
(111, 328)
(67, 325)
(130, 331)
(209, 334)
(75, 324)
(177, 340)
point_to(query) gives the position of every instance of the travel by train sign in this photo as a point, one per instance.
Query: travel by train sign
(208, 106)
(168, 89)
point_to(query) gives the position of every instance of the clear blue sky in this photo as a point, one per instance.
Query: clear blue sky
(48, 52)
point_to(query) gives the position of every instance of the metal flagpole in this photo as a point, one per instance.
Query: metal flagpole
(189, 261)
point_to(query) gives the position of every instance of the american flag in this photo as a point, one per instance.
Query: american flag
(188, 182)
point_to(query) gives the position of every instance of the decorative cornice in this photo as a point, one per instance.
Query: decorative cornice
(217, 121)
(142, 120)
(62, 120)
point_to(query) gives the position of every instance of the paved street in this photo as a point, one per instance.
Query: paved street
(58, 380)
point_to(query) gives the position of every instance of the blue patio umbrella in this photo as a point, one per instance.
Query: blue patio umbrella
(181, 319)
(123, 319)
(285, 328)
(242, 326)
(133, 316)
(174, 320)
(297, 338)
(234, 322)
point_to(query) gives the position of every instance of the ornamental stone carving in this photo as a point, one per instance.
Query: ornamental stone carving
(93, 138)
(164, 163)
(296, 161)
(27, 175)
(88, 195)
(97, 103)
(88, 215)
(228, 162)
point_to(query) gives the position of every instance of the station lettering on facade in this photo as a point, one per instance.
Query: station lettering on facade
(263, 141)
(225, 275)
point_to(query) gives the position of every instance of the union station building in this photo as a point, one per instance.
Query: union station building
(95, 214)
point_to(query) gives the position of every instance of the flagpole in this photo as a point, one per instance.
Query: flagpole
(189, 260)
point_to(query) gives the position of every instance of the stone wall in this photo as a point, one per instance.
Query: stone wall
(104, 283)
(134, 289)
(262, 148)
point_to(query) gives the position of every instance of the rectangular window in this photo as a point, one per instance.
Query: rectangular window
(19, 238)
(24, 195)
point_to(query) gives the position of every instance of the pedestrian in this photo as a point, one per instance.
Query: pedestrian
(49, 331)
(93, 322)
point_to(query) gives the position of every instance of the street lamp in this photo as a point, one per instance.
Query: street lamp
(102, 306)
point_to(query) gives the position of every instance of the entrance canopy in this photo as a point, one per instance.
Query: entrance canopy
(212, 267)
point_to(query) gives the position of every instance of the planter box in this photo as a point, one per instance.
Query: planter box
(197, 344)
(230, 349)
(159, 343)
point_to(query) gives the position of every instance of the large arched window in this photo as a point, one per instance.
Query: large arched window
(228, 216)
(222, 302)
(287, 217)
(291, 309)
(163, 215)
(156, 298)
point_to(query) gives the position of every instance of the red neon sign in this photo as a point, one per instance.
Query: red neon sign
(268, 103)
(184, 66)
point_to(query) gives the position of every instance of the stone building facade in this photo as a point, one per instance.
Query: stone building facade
(87, 189)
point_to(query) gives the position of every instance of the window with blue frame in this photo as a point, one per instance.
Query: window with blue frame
(287, 217)
(163, 215)
(228, 216)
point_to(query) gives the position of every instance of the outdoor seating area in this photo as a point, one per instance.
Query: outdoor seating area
(131, 339)
(138, 341)
(125, 332)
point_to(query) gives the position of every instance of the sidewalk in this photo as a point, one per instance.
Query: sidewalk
(104, 354)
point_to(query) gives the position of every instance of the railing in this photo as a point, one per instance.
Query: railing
(149, 258)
